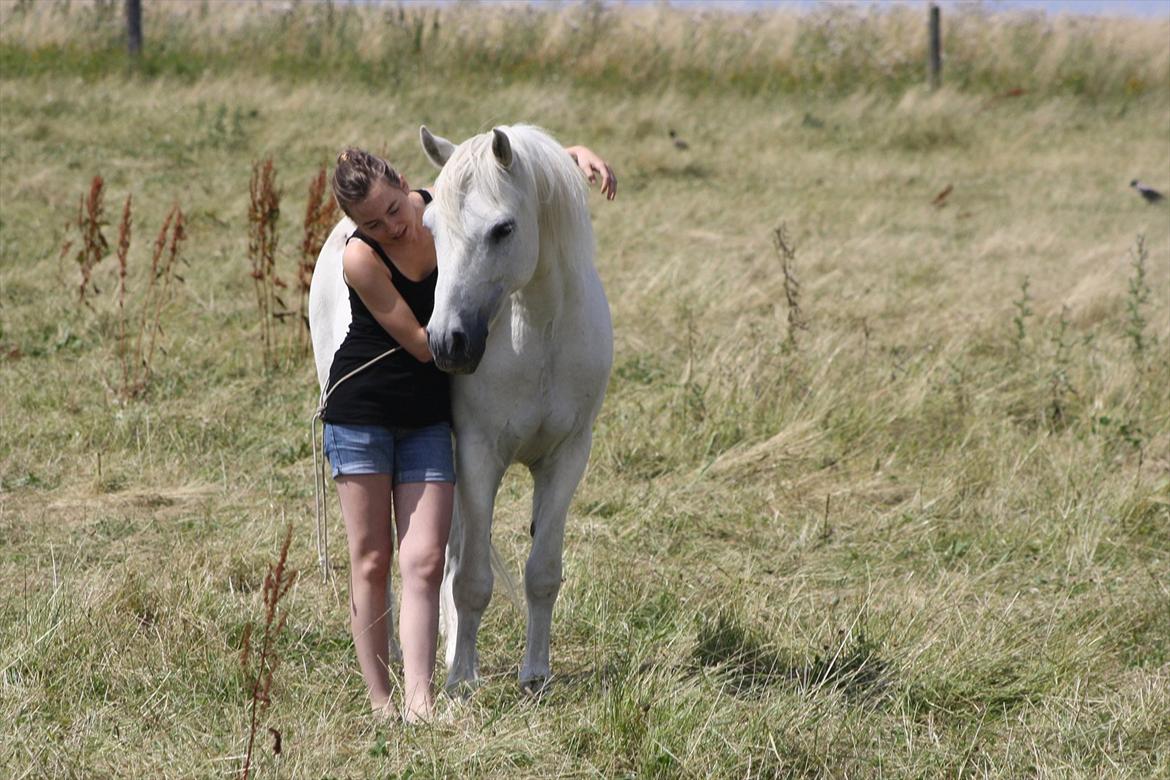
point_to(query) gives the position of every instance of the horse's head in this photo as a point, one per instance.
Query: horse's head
(484, 222)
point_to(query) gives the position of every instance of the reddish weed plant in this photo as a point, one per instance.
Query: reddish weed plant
(263, 216)
(137, 363)
(320, 216)
(90, 221)
(261, 661)
(135, 353)
(123, 265)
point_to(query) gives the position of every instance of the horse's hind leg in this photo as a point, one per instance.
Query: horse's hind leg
(479, 472)
(555, 477)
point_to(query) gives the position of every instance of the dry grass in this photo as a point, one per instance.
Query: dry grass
(878, 553)
(837, 49)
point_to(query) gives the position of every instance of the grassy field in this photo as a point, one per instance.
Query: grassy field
(926, 535)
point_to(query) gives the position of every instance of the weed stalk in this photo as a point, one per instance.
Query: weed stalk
(1023, 312)
(263, 216)
(1136, 300)
(787, 252)
(167, 272)
(123, 252)
(320, 216)
(90, 221)
(260, 663)
(1059, 377)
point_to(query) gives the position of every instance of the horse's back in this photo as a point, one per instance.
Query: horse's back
(329, 314)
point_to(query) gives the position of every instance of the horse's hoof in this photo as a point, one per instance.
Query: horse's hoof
(535, 688)
(462, 689)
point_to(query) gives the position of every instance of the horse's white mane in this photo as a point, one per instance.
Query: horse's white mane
(560, 187)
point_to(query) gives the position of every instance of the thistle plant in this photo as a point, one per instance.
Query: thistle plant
(1136, 300)
(1059, 376)
(1023, 312)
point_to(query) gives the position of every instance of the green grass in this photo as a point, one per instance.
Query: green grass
(921, 543)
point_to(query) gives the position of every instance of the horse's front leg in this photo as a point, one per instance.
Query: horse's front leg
(448, 619)
(479, 472)
(555, 478)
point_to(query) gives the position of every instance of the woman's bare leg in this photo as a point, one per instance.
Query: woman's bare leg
(422, 513)
(365, 506)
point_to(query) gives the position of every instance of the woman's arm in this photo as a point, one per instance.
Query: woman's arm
(592, 166)
(370, 278)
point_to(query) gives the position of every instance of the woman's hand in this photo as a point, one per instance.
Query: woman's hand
(593, 166)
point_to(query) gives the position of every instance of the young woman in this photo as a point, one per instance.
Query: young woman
(388, 427)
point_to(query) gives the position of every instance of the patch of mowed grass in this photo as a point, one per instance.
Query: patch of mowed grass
(877, 553)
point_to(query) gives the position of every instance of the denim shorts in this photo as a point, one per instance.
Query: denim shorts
(409, 454)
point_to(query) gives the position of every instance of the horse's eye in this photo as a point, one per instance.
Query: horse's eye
(502, 230)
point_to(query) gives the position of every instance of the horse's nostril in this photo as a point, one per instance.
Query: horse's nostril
(458, 342)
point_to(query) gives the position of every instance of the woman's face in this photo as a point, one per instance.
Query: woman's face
(387, 215)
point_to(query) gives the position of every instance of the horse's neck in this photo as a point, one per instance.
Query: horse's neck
(555, 289)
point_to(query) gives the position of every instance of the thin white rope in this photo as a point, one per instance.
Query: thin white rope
(319, 465)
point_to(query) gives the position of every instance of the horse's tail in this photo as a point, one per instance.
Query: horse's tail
(504, 577)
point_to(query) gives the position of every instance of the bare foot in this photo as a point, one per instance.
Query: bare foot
(434, 717)
(424, 713)
(386, 712)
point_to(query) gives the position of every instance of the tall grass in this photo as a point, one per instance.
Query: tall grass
(833, 49)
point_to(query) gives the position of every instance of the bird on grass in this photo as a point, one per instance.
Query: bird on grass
(1149, 193)
(679, 143)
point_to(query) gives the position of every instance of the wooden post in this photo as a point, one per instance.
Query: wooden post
(935, 46)
(134, 27)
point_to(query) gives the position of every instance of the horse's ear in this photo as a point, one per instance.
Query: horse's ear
(502, 148)
(437, 148)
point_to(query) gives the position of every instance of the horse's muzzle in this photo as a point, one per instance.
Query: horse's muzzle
(458, 350)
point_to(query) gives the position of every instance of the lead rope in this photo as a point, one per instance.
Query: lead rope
(319, 465)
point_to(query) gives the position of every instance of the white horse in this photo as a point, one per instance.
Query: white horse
(520, 316)
(521, 319)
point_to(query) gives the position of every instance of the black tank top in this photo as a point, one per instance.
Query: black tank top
(398, 391)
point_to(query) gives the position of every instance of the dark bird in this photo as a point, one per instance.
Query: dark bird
(940, 200)
(812, 121)
(679, 143)
(1151, 195)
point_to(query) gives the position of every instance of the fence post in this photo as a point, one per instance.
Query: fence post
(935, 46)
(134, 27)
